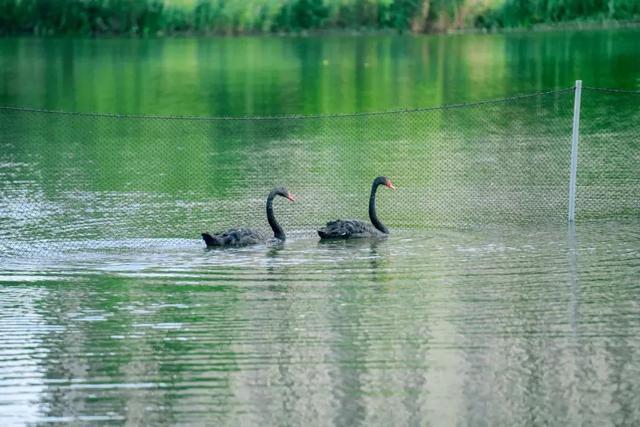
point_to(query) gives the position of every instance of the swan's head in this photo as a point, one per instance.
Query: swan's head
(281, 191)
(383, 180)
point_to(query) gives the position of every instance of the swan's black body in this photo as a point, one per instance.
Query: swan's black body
(353, 228)
(247, 236)
(235, 237)
(349, 229)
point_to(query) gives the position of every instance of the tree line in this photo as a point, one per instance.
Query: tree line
(165, 17)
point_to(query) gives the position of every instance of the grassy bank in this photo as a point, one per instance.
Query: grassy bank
(166, 17)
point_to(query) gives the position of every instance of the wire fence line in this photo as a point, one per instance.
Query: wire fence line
(289, 116)
(98, 178)
(612, 90)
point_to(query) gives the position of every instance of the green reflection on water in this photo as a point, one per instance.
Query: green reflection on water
(270, 75)
(498, 324)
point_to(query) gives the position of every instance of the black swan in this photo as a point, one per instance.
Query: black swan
(247, 236)
(353, 228)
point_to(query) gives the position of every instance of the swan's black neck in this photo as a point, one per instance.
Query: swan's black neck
(372, 209)
(278, 232)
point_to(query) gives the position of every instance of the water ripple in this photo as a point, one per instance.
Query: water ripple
(533, 321)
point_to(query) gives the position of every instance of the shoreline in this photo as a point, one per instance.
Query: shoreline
(576, 25)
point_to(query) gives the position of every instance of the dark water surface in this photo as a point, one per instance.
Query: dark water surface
(483, 307)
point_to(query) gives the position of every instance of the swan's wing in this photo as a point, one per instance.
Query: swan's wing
(246, 236)
(345, 229)
(234, 237)
(344, 223)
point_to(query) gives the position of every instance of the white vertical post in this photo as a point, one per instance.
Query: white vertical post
(574, 151)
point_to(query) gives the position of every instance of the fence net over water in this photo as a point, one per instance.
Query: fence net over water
(67, 178)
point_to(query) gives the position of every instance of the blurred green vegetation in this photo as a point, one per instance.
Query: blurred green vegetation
(525, 13)
(158, 17)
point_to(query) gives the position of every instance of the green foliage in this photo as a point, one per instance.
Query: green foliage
(151, 17)
(401, 12)
(524, 13)
(300, 15)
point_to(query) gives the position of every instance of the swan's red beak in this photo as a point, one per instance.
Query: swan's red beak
(291, 197)
(390, 185)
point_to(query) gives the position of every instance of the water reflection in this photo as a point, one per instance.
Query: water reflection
(477, 325)
(574, 288)
(267, 76)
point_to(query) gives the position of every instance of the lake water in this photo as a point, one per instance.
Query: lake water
(272, 76)
(483, 306)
